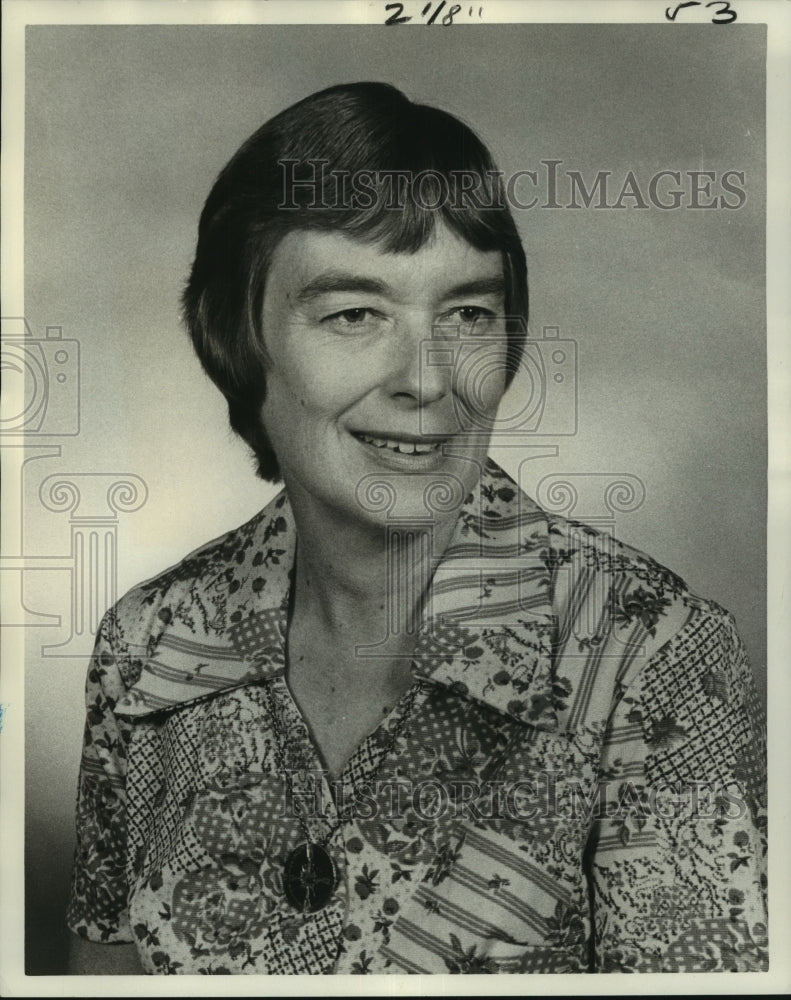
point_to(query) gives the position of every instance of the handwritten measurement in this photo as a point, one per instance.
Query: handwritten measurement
(433, 13)
(725, 14)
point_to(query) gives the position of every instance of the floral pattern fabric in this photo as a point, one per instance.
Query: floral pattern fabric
(574, 783)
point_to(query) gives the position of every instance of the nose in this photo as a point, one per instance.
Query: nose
(421, 374)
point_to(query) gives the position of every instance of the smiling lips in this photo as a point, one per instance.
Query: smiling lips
(402, 446)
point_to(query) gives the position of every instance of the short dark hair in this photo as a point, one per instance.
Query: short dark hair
(288, 176)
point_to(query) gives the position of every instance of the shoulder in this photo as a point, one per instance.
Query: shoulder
(674, 651)
(637, 590)
(614, 605)
(588, 551)
(663, 667)
(578, 554)
(193, 594)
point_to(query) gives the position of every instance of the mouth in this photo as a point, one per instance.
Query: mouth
(401, 445)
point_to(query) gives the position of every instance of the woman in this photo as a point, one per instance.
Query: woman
(403, 720)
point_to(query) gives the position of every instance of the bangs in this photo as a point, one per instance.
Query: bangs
(390, 176)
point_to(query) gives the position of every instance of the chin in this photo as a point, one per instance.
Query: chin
(416, 499)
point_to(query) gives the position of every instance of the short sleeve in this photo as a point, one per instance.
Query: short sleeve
(678, 858)
(97, 907)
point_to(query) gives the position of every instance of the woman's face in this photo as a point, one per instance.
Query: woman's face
(386, 368)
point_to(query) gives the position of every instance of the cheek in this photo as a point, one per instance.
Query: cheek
(290, 387)
(300, 400)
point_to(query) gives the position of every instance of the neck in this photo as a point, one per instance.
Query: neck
(352, 576)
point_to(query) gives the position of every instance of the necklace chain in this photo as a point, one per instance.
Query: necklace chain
(347, 811)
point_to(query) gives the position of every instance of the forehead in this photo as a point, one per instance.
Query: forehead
(445, 261)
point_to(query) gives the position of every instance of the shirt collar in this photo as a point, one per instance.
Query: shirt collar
(486, 633)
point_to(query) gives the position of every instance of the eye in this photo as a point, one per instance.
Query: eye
(472, 318)
(351, 316)
(470, 313)
(359, 318)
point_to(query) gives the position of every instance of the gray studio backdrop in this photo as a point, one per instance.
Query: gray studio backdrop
(126, 128)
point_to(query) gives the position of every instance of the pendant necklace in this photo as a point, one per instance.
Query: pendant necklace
(309, 873)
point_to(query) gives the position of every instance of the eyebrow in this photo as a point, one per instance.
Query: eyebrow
(340, 281)
(344, 281)
(494, 285)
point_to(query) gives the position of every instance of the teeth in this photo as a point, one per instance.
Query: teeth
(403, 447)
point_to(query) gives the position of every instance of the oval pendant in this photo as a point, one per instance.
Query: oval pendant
(309, 877)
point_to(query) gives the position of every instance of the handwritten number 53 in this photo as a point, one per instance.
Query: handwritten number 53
(724, 15)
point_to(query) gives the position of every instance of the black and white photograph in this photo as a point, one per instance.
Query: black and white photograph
(395, 466)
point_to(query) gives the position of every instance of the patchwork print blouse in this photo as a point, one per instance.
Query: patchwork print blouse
(576, 783)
